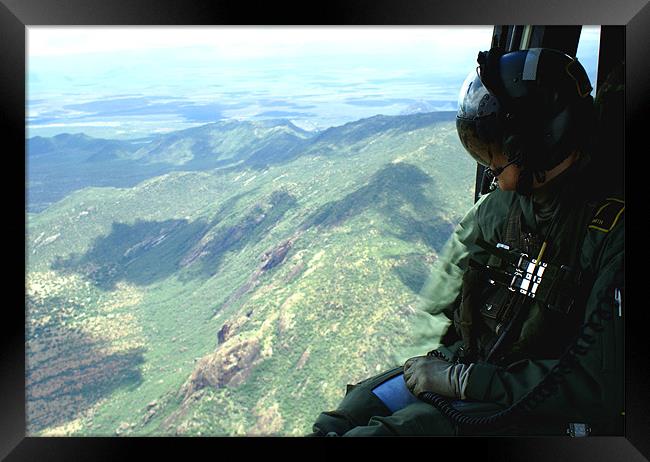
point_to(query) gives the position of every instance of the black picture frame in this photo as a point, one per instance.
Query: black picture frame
(16, 15)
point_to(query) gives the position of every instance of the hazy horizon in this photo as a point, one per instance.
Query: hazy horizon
(129, 82)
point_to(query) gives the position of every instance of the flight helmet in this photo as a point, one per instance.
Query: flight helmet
(533, 105)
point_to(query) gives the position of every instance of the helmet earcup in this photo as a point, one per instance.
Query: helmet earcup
(547, 99)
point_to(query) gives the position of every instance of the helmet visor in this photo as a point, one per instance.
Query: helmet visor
(477, 121)
(476, 137)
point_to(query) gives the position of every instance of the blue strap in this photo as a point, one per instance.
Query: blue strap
(394, 394)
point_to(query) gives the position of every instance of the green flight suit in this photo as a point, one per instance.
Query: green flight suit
(588, 234)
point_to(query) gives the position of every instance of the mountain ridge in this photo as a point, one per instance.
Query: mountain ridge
(238, 300)
(229, 144)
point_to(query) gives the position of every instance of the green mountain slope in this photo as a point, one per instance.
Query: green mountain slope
(65, 163)
(240, 298)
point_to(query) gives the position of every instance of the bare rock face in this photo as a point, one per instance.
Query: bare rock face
(303, 359)
(269, 259)
(229, 365)
(273, 257)
(197, 252)
(231, 328)
(223, 334)
(150, 411)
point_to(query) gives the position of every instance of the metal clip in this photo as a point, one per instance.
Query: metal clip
(527, 276)
(577, 430)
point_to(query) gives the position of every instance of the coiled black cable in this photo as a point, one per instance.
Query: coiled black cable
(540, 393)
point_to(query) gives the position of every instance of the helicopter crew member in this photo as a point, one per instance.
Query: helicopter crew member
(531, 278)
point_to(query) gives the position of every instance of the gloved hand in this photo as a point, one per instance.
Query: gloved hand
(428, 373)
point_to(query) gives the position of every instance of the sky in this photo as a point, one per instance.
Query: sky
(129, 82)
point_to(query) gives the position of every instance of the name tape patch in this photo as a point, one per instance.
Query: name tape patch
(608, 215)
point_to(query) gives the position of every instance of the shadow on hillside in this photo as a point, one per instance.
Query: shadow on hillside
(145, 252)
(433, 231)
(52, 180)
(140, 253)
(413, 270)
(67, 373)
(279, 150)
(398, 193)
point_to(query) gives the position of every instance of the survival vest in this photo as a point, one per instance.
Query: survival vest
(500, 324)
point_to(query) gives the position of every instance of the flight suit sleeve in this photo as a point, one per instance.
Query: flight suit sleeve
(445, 281)
(439, 295)
(593, 389)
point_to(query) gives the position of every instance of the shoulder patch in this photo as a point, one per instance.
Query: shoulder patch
(607, 214)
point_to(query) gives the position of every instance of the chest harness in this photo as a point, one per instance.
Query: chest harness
(555, 289)
(526, 289)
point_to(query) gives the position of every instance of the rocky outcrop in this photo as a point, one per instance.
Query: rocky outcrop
(223, 333)
(275, 256)
(150, 411)
(303, 359)
(228, 366)
(271, 258)
(231, 328)
(254, 226)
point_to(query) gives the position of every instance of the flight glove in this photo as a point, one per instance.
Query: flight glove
(428, 373)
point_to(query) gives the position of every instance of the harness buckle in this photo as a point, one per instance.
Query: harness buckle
(527, 276)
(578, 430)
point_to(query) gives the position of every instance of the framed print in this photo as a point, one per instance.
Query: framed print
(229, 218)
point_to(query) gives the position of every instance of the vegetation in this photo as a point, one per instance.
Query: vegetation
(235, 288)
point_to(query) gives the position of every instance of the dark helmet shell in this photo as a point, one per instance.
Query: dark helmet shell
(538, 108)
